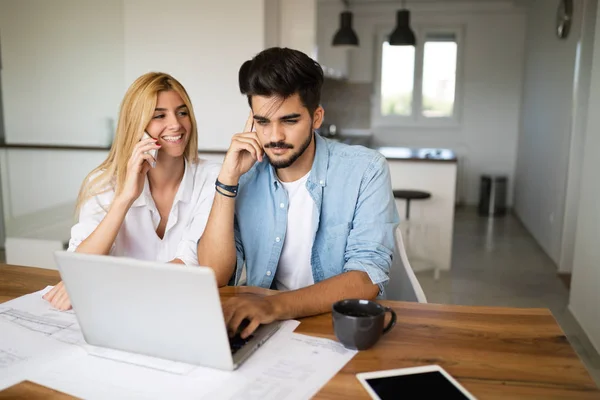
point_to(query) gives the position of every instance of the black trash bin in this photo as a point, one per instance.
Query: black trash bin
(492, 195)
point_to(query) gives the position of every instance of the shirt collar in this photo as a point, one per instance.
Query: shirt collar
(318, 172)
(184, 192)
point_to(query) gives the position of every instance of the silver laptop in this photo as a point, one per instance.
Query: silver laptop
(162, 310)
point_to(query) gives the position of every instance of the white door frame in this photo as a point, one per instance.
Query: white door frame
(581, 94)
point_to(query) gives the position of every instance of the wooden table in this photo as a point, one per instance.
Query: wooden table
(496, 353)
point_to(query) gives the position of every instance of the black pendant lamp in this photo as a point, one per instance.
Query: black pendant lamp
(402, 35)
(345, 36)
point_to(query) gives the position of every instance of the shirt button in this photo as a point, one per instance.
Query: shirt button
(322, 183)
(278, 239)
(281, 205)
(268, 273)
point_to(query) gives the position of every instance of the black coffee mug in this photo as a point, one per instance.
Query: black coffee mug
(358, 324)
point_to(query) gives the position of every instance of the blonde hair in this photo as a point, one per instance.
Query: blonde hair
(135, 114)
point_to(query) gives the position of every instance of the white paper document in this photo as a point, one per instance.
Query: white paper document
(298, 370)
(290, 367)
(46, 346)
(93, 377)
(160, 364)
(23, 353)
(37, 315)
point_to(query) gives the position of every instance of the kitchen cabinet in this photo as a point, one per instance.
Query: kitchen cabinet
(335, 60)
(299, 25)
(416, 169)
(308, 26)
(291, 23)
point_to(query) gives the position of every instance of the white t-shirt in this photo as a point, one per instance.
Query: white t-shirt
(137, 237)
(294, 270)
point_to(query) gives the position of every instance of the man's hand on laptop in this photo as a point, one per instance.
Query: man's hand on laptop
(58, 297)
(258, 310)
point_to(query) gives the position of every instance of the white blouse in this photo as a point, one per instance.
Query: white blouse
(137, 237)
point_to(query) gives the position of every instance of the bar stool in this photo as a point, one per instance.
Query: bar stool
(408, 196)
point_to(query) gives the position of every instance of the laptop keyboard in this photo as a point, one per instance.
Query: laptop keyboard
(236, 342)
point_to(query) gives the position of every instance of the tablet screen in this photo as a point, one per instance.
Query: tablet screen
(428, 385)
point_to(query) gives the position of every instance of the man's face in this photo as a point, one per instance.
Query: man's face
(284, 127)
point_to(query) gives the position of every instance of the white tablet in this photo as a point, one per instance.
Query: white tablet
(427, 382)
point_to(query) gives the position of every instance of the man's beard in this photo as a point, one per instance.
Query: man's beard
(281, 164)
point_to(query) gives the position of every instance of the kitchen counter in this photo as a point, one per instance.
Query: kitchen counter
(408, 154)
(398, 153)
(433, 171)
(41, 146)
(353, 140)
(391, 153)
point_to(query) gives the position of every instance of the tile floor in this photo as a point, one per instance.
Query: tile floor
(496, 262)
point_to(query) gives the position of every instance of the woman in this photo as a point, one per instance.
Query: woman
(138, 206)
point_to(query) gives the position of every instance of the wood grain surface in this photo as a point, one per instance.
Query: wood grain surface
(495, 353)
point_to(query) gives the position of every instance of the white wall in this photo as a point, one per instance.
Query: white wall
(544, 142)
(272, 23)
(38, 179)
(585, 285)
(291, 23)
(202, 43)
(298, 25)
(492, 68)
(583, 71)
(62, 70)
(67, 64)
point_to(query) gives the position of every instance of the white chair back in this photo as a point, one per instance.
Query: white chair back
(403, 285)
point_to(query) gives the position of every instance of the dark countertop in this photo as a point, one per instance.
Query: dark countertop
(400, 153)
(31, 146)
(354, 140)
(426, 155)
(391, 153)
(37, 146)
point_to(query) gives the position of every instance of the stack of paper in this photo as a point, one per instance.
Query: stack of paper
(46, 346)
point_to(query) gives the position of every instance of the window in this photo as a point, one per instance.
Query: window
(397, 79)
(418, 85)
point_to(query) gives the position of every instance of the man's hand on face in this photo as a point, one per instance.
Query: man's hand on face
(258, 310)
(244, 151)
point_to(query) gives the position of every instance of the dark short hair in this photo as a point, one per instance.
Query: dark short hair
(282, 72)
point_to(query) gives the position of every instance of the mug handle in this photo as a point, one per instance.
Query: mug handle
(392, 322)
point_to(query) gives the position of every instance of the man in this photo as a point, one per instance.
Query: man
(308, 216)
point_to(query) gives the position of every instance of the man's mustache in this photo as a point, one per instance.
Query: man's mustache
(278, 145)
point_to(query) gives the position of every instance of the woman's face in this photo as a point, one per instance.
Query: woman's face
(170, 124)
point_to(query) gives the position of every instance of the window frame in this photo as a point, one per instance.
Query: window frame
(417, 119)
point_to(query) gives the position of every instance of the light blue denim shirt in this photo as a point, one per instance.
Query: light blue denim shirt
(355, 216)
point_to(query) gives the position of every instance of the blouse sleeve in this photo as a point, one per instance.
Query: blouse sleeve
(187, 249)
(90, 216)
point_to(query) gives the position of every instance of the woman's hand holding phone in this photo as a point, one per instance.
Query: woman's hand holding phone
(153, 153)
(137, 168)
